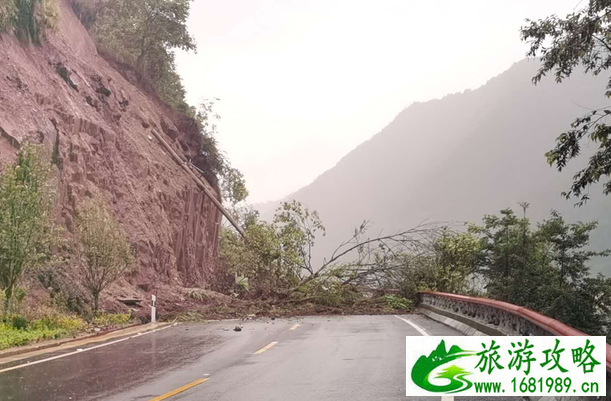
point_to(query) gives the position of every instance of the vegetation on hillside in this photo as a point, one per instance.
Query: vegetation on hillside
(27, 197)
(29, 19)
(103, 249)
(31, 247)
(145, 34)
(232, 182)
(580, 39)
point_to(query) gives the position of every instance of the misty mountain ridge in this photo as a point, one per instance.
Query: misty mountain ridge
(460, 157)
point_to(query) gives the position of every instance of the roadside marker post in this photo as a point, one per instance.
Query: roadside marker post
(153, 310)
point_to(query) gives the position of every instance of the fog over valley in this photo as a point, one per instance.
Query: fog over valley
(460, 157)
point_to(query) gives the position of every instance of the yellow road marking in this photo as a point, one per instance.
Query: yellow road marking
(268, 346)
(179, 390)
(294, 327)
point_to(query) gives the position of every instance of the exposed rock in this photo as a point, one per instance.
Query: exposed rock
(104, 91)
(66, 75)
(92, 102)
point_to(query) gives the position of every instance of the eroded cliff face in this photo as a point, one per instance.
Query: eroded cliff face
(101, 126)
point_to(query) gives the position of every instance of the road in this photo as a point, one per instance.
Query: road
(313, 358)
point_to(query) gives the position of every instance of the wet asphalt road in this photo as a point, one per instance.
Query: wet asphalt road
(324, 358)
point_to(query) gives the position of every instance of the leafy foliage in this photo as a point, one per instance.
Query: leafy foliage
(259, 257)
(233, 184)
(30, 19)
(545, 269)
(581, 38)
(105, 253)
(330, 290)
(8, 13)
(145, 34)
(297, 227)
(567, 247)
(397, 302)
(27, 196)
(457, 256)
(17, 330)
(511, 263)
(446, 265)
(273, 256)
(111, 320)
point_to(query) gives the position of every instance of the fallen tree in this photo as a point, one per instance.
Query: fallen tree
(276, 259)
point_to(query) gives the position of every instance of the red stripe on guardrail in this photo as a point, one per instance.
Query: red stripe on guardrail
(547, 323)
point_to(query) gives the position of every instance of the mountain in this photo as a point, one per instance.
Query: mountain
(460, 157)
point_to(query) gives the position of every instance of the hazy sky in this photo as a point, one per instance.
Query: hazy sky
(304, 82)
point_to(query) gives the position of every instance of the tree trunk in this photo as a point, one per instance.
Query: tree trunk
(8, 296)
(140, 64)
(96, 301)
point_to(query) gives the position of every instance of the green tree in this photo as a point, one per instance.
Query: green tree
(417, 273)
(592, 311)
(459, 257)
(145, 34)
(574, 296)
(502, 239)
(210, 156)
(144, 30)
(212, 162)
(515, 264)
(567, 244)
(27, 197)
(104, 251)
(585, 305)
(234, 186)
(446, 265)
(545, 269)
(581, 38)
(257, 258)
(297, 228)
(276, 256)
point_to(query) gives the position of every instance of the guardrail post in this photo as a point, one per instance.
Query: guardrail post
(153, 310)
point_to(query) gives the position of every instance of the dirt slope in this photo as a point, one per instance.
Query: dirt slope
(103, 127)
